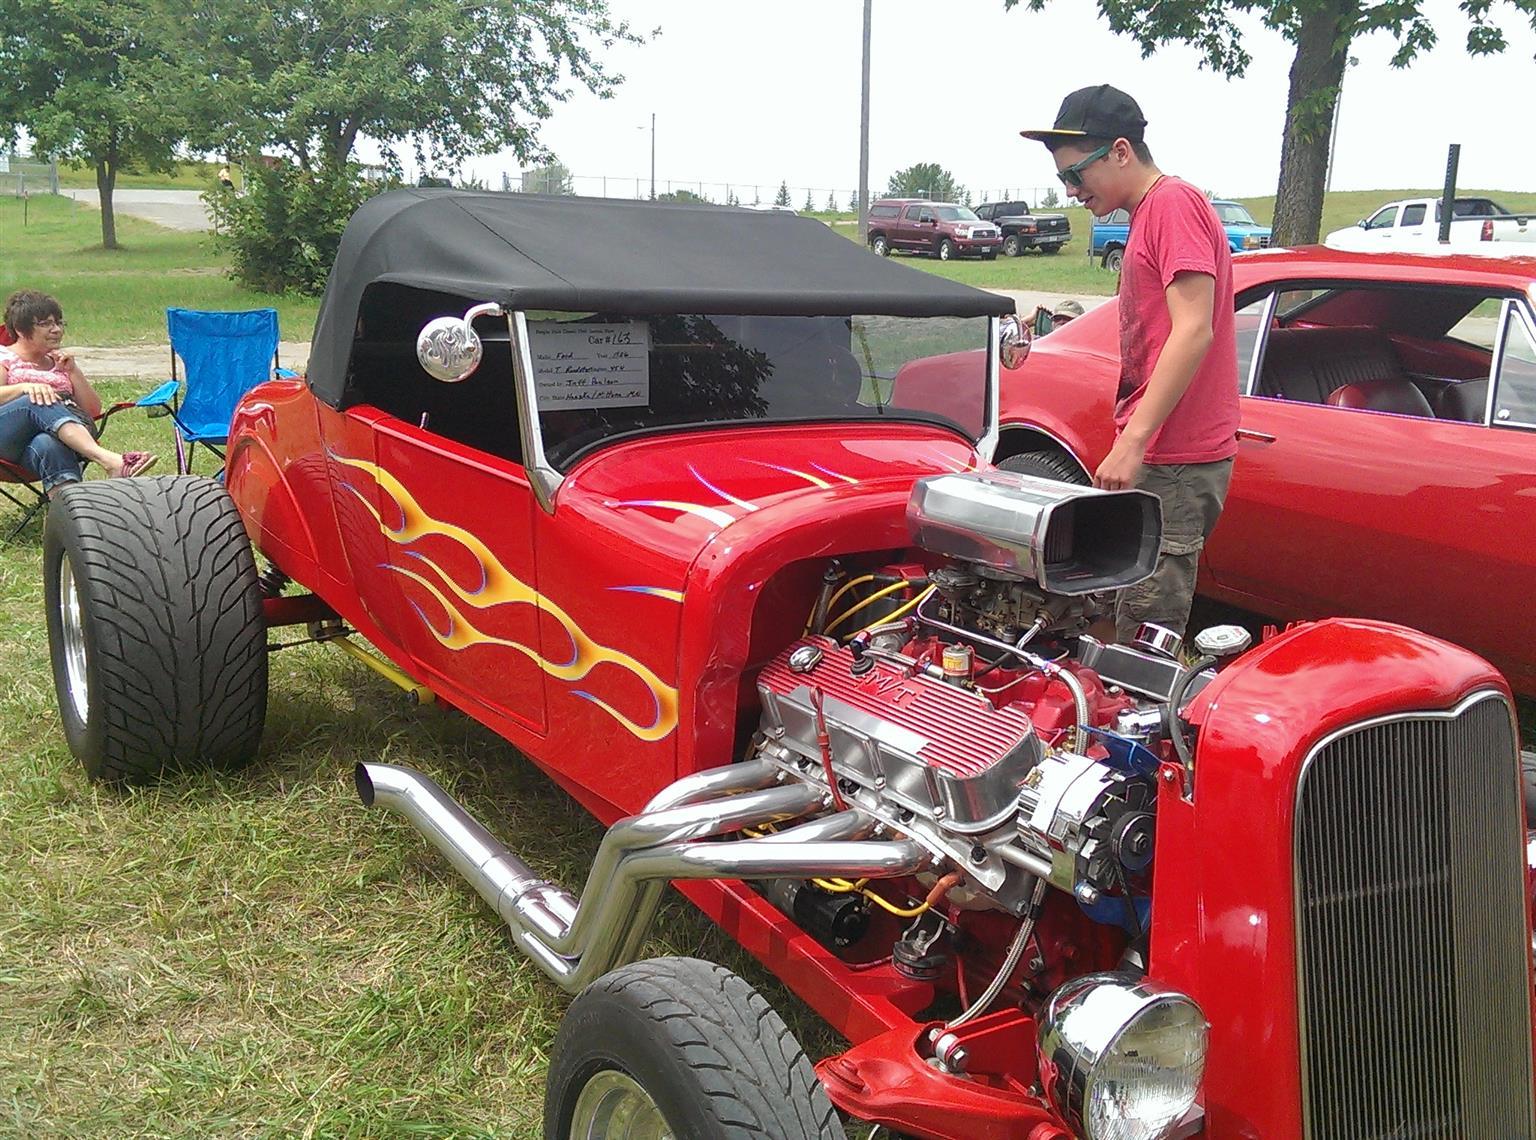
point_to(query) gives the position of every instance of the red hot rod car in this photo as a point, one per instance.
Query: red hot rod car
(658, 493)
(1387, 454)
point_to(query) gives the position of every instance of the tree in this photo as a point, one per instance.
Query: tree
(447, 79)
(1051, 200)
(683, 196)
(853, 202)
(831, 202)
(925, 180)
(782, 197)
(553, 177)
(810, 203)
(1322, 31)
(86, 80)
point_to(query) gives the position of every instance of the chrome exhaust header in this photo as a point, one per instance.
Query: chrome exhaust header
(578, 940)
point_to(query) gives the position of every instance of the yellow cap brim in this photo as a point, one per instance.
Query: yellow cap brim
(1042, 136)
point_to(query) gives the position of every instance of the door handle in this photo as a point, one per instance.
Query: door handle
(1256, 436)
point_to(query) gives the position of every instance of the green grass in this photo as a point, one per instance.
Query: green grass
(258, 955)
(116, 297)
(1346, 207)
(186, 176)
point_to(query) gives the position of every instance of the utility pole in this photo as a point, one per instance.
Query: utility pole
(653, 156)
(864, 130)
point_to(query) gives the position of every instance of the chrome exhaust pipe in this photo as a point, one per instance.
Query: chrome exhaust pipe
(576, 941)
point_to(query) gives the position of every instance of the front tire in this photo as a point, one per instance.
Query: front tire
(1113, 260)
(681, 1048)
(1046, 465)
(879, 246)
(155, 627)
(946, 250)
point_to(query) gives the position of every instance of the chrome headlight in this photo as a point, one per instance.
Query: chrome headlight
(1251, 241)
(1121, 1057)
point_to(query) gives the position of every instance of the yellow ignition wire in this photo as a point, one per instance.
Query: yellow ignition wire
(832, 601)
(904, 610)
(904, 584)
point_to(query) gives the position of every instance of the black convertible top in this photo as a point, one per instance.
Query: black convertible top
(532, 251)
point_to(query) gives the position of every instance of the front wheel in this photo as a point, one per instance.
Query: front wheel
(155, 627)
(946, 250)
(879, 246)
(1046, 465)
(1113, 260)
(679, 1049)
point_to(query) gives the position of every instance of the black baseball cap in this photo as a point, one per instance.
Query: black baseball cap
(1103, 112)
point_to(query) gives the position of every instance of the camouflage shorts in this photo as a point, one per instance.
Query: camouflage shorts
(1192, 495)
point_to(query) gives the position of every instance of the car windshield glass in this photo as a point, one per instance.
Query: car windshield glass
(1231, 214)
(601, 376)
(956, 213)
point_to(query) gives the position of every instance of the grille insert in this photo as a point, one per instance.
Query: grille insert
(1412, 960)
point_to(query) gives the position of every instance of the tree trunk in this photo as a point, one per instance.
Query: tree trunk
(1322, 51)
(106, 179)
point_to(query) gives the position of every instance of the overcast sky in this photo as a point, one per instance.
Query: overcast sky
(749, 94)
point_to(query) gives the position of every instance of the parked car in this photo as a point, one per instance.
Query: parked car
(1414, 224)
(1388, 435)
(1111, 232)
(1024, 229)
(942, 229)
(716, 544)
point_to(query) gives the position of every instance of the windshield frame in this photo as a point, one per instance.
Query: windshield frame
(545, 478)
(961, 214)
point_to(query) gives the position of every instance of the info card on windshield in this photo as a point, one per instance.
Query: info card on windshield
(585, 366)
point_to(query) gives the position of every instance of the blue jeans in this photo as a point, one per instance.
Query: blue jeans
(29, 437)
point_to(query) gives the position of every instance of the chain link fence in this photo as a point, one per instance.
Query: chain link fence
(558, 180)
(21, 174)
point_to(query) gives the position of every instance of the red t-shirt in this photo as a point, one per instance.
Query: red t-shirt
(1174, 230)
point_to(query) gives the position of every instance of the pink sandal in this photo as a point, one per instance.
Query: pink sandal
(136, 463)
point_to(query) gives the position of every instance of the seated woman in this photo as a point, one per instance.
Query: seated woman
(46, 404)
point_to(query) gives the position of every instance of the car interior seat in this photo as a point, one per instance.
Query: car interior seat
(1400, 397)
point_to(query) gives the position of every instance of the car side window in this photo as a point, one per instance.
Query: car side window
(985, 213)
(1248, 322)
(913, 213)
(1413, 215)
(1382, 219)
(925, 216)
(1514, 400)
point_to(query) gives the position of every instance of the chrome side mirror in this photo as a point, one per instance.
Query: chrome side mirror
(1014, 340)
(449, 349)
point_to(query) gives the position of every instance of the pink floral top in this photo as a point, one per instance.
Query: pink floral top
(18, 371)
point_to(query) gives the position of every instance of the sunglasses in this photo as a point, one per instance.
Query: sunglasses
(1072, 176)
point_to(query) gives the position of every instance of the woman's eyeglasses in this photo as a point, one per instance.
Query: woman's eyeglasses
(1072, 176)
(49, 323)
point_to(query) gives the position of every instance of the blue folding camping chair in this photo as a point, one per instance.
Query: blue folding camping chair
(226, 355)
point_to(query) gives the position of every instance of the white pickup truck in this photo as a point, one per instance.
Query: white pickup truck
(1477, 225)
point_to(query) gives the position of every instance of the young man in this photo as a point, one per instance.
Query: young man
(1176, 413)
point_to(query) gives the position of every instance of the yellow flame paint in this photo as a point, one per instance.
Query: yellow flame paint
(501, 587)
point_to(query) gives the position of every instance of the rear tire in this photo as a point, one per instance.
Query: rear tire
(1050, 250)
(1113, 260)
(879, 246)
(1046, 465)
(687, 1042)
(155, 627)
(1012, 247)
(946, 250)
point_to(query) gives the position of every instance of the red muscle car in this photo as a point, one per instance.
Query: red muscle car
(1386, 462)
(660, 494)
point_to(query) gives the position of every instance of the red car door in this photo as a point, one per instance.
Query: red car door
(1411, 518)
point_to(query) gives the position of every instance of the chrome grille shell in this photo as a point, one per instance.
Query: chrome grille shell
(1412, 942)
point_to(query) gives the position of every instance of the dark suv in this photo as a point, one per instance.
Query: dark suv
(943, 229)
(1023, 229)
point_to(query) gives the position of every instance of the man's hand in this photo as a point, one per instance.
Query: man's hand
(1121, 467)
